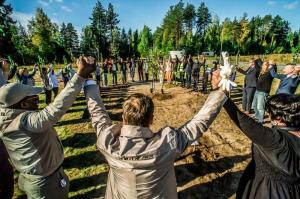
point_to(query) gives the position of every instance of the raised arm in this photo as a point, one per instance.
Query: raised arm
(32, 74)
(106, 132)
(256, 132)
(38, 121)
(2, 80)
(19, 77)
(99, 116)
(12, 72)
(275, 74)
(240, 70)
(194, 129)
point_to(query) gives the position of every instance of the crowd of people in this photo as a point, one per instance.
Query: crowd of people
(185, 71)
(258, 83)
(142, 161)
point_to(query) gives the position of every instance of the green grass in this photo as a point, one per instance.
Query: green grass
(83, 163)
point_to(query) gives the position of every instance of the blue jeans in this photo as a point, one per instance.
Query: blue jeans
(114, 78)
(258, 105)
(188, 79)
(247, 99)
(105, 79)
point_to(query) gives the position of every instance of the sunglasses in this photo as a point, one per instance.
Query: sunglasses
(32, 98)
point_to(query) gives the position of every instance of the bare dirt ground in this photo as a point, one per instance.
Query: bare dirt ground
(210, 170)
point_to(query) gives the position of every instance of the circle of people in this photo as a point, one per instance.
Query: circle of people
(141, 161)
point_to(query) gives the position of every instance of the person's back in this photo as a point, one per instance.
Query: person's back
(274, 171)
(142, 162)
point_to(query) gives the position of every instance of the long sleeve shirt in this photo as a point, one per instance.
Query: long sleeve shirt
(142, 162)
(30, 138)
(288, 83)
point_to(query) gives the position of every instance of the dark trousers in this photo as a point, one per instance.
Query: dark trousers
(188, 80)
(141, 75)
(205, 81)
(114, 78)
(124, 77)
(147, 76)
(182, 78)
(248, 95)
(6, 175)
(47, 96)
(174, 78)
(55, 92)
(65, 79)
(196, 82)
(98, 79)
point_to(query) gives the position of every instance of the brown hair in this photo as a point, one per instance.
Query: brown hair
(264, 68)
(138, 110)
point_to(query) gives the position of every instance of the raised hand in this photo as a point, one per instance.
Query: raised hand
(225, 73)
(86, 65)
(5, 66)
(215, 79)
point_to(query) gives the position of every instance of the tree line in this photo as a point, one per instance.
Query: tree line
(184, 27)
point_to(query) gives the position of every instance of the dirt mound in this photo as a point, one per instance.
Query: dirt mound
(212, 169)
(159, 96)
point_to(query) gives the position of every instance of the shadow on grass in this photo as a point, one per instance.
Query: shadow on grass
(89, 181)
(95, 193)
(75, 110)
(116, 116)
(69, 122)
(114, 106)
(80, 140)
(82, 103)
(186, 173)
(219, 188)
(117, 100)
(115, 95)
(86, 159)
(80, 98)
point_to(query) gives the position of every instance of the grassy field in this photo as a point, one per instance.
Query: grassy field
(85, 166)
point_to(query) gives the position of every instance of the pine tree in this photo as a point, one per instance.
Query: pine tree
(99, 30)
(189, 16)
(41, 35)
(111, 20)
(134, 43)
(145, 43)
(203, 19)
(87, 42)
(6, 23)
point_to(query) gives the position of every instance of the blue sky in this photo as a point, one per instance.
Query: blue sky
(137, 13)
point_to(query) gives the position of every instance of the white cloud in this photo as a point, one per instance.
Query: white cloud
(291, 6)
(23, 18)
(272, 2)
(44, 3)
(48, 2)
(79, 31)
(65, 8)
